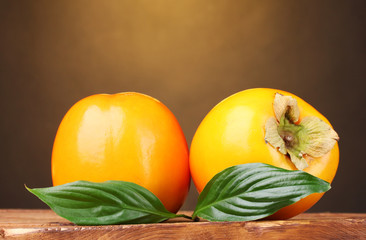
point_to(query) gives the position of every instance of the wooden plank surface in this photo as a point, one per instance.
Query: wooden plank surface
(45, 224)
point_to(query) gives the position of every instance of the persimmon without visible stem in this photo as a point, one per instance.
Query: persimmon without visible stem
(126, 136)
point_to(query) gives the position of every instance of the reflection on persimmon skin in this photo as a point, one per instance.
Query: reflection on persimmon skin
(92, 146)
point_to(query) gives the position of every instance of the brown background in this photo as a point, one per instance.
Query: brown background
(190, 55)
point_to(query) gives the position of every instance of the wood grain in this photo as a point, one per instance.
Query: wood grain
(45, 224)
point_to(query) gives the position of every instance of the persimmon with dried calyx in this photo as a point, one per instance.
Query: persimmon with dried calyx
(128, 137)
(268, 126)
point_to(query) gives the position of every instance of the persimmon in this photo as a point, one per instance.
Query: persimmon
(127, 136)
(269, 126)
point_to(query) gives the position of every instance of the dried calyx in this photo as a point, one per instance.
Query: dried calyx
(312, 137)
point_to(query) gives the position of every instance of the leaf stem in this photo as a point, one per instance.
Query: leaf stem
(196, 219)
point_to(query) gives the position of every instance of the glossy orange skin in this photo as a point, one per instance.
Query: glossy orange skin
(232, 133)
(127, 136)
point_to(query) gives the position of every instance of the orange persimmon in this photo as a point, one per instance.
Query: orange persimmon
(127, 136)
(269, 126)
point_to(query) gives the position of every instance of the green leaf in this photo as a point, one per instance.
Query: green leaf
(111, 202)
(253, 191)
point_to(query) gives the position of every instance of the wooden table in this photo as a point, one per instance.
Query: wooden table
(45, 224)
